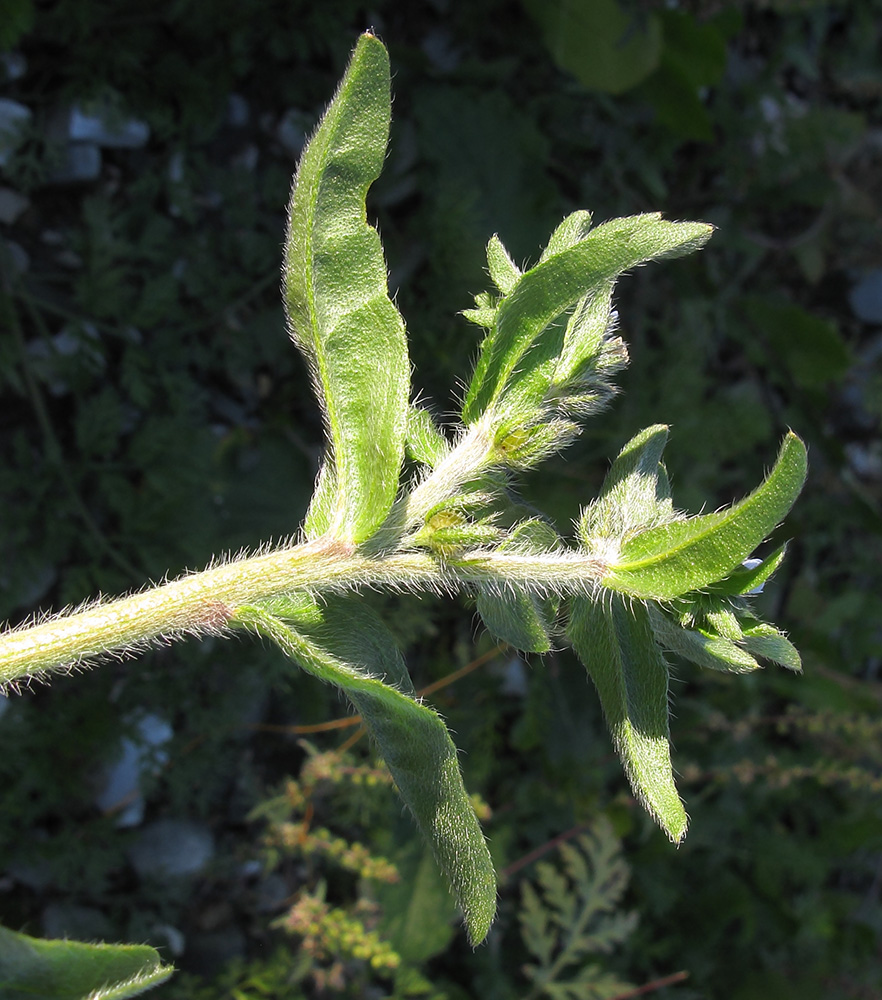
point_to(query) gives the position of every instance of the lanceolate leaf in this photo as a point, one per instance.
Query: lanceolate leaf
(585, 331)
(700, 648)
(615, 642)
(503, 270)
(574, 228)
(670, 560)
(353, 650)
(552, 286)
(34, 969)
(338, 305)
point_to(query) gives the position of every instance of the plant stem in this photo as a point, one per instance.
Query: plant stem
(203, 603)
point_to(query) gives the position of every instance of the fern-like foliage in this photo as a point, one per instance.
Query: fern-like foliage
(571, 913)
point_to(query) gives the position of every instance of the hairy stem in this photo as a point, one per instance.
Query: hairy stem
(204, 603)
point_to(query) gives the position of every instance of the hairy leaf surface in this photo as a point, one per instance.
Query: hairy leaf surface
(704, 650)
(35, 969)
(616, 644)
(547, 290)
(338, 305)
(670, 560)
(352, 649)
(635, 492)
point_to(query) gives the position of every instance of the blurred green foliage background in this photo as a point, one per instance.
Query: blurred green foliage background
(154, 414)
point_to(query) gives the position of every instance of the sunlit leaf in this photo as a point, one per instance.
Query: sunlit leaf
(765, 640)
(633, 495)
(547, 290)
(672, 559)
(709, 651)
(338, 305)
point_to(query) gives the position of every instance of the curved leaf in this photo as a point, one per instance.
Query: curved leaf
(36, 969)
(671, 559)
(338, 306)
(552, 286)
(352, 649)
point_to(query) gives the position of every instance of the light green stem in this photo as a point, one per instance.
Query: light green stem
(203, 603)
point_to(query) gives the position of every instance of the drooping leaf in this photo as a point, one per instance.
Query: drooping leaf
(352, 649)
(338, 306)
(35, 969)
(519, 617)
(672, 559)
(615, 642)
(547, 290)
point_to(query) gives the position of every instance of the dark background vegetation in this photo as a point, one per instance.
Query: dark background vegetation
(154, 414)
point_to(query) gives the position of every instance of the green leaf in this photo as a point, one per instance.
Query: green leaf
(704, 650)
(671, 559)
(585, 332)
(338, 306)
(547, 290)
(484, 313)
(418, 914)
(425, 442)
(352, 649)
(34, 969)
(809, 347)
(320, 515)
(615, 642)
(694, 58)
(601, 44)
(746, 579)
(503, 270)
(574, 228)
(634, 494)
(765, 640)
(574, 911)
(522, 618)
